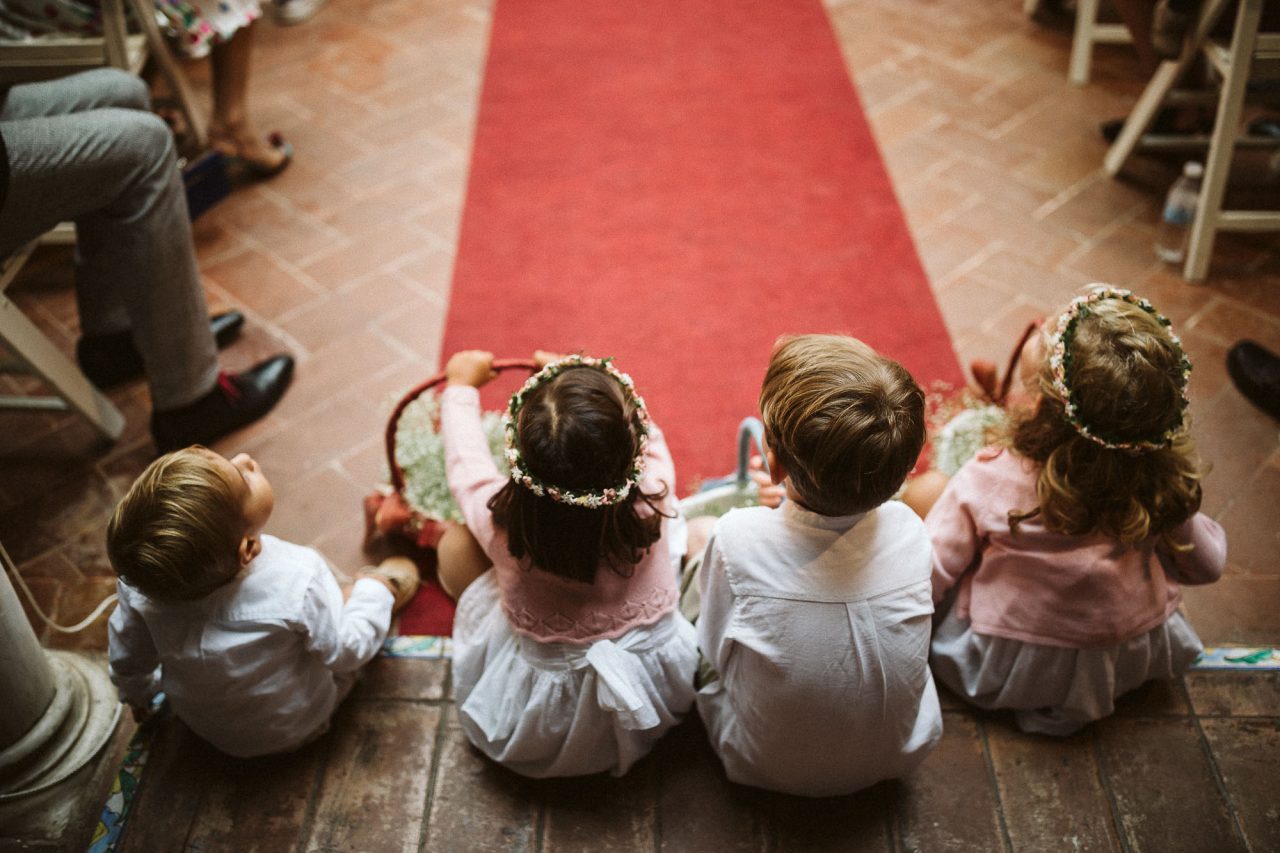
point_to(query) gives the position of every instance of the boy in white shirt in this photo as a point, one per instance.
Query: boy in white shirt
(249, 636)
(815, 616)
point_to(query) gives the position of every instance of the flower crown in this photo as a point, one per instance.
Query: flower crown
(592, 500)
(1060, 364)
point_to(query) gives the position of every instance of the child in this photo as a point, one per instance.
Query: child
(815, 616)
(247, 635)
(569, 657)
(1065, 549)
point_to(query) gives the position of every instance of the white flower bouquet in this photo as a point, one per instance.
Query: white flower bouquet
(420, 454)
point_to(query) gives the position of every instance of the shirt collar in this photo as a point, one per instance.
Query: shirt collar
(792, 511)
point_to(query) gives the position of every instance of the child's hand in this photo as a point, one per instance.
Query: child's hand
(544, 357)
(470, 367)
(379, 578)
(770, 494)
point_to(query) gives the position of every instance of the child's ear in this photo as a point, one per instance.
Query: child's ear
(777, 473)
(250, 547)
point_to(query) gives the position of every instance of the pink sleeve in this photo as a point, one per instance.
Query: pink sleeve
(1206, 559)
(469, 467)
(954, 533)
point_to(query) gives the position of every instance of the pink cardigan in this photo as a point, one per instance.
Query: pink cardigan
(1042, 587)
(542, 605)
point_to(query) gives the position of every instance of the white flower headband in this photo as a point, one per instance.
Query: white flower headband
(1060, 364)
(591, 500)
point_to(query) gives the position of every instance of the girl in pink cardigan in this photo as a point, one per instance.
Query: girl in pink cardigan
(569, 656)
(1057, 559)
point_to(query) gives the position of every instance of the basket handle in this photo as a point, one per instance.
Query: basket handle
(1015, 357)
(750, 430)
(393, 423)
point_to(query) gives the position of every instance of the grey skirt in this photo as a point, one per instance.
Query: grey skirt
(1054, 690)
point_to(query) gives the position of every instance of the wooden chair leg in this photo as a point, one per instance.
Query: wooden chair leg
(1226, 128)
(47, 361)
(1157, 91)
(1143, 114)
(115, 34)
(1082, 42)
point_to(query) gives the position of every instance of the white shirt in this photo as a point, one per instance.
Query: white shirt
(251, 666)
(819, 628)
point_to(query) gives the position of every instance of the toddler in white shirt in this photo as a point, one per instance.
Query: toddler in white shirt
(250, 637)
(815, 616)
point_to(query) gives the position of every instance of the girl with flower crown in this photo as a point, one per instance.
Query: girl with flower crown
(569, 656)
(1058, 555)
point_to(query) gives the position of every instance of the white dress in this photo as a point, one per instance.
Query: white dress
(564, 709)
(615, 671)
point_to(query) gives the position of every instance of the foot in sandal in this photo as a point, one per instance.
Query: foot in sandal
(400, 574)
(257, 156)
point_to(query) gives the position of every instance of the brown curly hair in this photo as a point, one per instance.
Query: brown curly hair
(578, 431)
(1126, 380)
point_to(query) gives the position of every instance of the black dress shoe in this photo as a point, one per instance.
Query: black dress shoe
(1167, 122)
(236, 401)
(110, 360)
(1265, 127)
(1256, 372)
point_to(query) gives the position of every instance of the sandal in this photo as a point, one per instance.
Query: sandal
(255, 169)
(402, 574)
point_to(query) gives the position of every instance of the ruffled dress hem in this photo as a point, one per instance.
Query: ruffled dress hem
(567, 709)
(1056, 690)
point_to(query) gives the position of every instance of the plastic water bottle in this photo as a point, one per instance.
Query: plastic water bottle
(1179, 212)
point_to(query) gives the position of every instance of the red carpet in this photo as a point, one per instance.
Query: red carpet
(430, 612)
(677, 183)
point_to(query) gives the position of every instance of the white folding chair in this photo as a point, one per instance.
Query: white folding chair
(1249, 56)
(45, 57)
(42, 58)
(1088, 32)
(35, 354)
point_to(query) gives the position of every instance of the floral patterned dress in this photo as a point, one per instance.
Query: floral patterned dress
(194, 24)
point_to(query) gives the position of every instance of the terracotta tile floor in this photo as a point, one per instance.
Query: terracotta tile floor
(345, 261)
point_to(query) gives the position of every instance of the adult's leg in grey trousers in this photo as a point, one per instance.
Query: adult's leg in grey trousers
(84, 148)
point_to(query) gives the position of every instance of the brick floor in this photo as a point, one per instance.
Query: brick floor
(345, 261)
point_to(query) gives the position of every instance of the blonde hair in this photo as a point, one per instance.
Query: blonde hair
(1127, 375)
(846, 422)
(175, 536)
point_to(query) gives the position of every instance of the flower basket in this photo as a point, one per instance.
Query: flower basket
(415, 507)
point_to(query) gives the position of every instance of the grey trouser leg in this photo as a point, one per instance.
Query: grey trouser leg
(85, 148)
